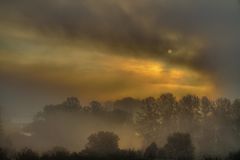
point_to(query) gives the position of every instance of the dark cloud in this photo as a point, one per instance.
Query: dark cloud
(137, 28)
(141, 28)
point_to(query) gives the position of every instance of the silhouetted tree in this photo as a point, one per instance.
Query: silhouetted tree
(223, 125)
(151, 151)
(223, 107)
(27, 154)
(209, 122)
(234, 156)
(95, 106)
(205, 129)
(189, 113)
(70, 104)
(4, 154)
(236, 118)
(128, 104)
(149, 120)
(206, 106)
(167, 106)
(102, 143)
(179, 147)
(189, 105)
(57, 153)
(130, 154)
(155, 117)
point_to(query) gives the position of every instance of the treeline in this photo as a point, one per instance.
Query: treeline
(104, 146)
(213, 124)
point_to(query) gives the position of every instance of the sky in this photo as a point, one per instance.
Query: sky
(109, 49)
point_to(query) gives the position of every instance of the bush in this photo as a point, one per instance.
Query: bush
(27, 154)
(102, 143)
(179, 147)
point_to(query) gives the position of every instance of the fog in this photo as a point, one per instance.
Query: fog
(70, 127)
(212, 124)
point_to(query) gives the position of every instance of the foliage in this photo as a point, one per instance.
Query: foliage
(208, 121)
(3, 154)
(179, 147)
(151, 151)
(27, 154)
(102, 143)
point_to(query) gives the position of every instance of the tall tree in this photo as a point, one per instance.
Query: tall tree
(206, 106)
(167, 106)
(189, 105)
(149, 120)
